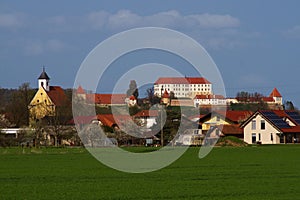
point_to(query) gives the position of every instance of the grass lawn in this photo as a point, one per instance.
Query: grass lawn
(264, 172)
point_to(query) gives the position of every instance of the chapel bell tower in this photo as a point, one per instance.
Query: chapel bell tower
(44, 80)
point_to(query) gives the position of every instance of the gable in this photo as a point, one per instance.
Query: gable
(41, 96)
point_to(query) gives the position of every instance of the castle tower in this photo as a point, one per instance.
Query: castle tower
(276, 96)
(43, 81)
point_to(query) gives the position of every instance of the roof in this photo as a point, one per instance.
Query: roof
(44, 75)
(238, 115)
(166, 94)
(275, 93)
(57, 95)
(80, 90)
(106, 119)
(235, 116)
(182, 80)
(231, 129)
(132, 98)
(209, 96)
(106, 98)
(147, 113)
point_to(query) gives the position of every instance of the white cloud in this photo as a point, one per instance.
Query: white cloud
(12, 20)
(214, 21)
(169, 19)
(293, 32)
(38, 47)
(33, 48)
(55, 45)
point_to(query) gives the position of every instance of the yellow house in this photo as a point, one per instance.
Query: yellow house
(46, 100)
(229, 117)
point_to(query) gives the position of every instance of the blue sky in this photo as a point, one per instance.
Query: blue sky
(255, 44)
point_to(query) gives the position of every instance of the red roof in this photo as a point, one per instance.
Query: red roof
(132, 98)
(147, 113)
(106, 119)
(106, 98)
(231, 129)
(182, 80)
(209, 96)
(166, 94)
(57, 95)
(267, 99)
(275, 93)
(111, 119)
(238, 115)
(80, 90)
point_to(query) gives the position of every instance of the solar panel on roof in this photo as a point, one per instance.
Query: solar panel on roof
(277, 121)
(294, 115)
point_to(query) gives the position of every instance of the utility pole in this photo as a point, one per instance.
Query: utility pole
(161, 120)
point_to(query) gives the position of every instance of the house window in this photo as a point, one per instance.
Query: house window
(262, 125)
(271, 136)
(253, 138)
(253, 124)
(259, 137)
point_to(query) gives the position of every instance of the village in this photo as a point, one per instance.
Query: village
(252, 118)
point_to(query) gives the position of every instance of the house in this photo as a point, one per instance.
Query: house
(47, 99)
(147, 118)
(104, 100)
(209, 100)
(182, 87)
(230, 117)
(272, 127)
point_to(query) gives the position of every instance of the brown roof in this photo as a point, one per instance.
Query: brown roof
(182, 80)
(275, 93)
(106, 99)
(57, 95)
(230, 129)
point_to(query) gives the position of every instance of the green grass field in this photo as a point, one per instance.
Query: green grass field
(264, 172)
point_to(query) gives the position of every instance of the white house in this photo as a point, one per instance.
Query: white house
(147, 118)
(204, 100)
(182, 87)
(272, 127)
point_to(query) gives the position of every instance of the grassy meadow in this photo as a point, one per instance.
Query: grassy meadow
(263, 172)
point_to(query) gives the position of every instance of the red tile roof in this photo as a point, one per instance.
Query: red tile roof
(132, 98)
(166, 94)
(147, 113)
(268, 99)
(57, 95)
(182, 80)
(275, 93)
(209, 96)
(106, 119)
(80, 90)
(106, 99)
(230, 129)
(238, 115)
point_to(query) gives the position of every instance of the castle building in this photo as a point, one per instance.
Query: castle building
(183, 87)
